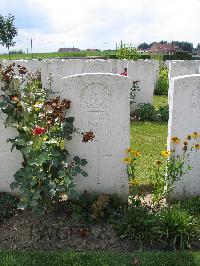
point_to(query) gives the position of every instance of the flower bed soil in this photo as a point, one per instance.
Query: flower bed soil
(24, 231)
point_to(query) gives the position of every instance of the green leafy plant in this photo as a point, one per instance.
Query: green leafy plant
(132, 162)
(91, 207)
(163, 113)
(178, 227)
(145, 111)
(134, 89)
(139, 222)
(47, 172)
(162, 84)
(191, 205)
(8, 205)
(172, 166)
(127, 51)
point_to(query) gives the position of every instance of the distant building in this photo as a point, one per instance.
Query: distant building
(162, 48)
(92, 50)
(73, 49)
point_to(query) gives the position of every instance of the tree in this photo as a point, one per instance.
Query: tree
(7, 31)
(143, 46)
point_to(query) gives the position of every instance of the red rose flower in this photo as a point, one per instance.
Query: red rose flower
(38, 131)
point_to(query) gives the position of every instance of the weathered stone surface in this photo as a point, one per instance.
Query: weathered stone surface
(184, 118)
(100, 102)
(121, 64)
(113, 66)
(183, 67)
(145, 71)
(96, 66)
(10, 162)
(31, 65)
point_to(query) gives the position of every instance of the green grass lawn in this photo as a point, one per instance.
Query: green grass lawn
(28, 258)
(56, 54)
(150, 139)
(159, 100)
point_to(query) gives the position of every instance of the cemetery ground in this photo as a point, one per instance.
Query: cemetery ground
(79, 242)
(99, 229)
(31, 258)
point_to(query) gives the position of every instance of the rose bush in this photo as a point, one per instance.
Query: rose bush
(47, 171)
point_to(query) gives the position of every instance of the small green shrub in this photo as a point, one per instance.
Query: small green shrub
(191, 205)
(178, 227)
(138, 222)
(8, 205)
(163, 113)
(127, 51)
(145, 111)
(92, 207)
(162, 84)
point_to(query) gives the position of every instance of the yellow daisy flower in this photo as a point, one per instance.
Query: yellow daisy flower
(165, 154)
(158, 162)
(127, 160)
(137, 154)
(197, 146)
(175, 140)
(195, 135)
(128, 150)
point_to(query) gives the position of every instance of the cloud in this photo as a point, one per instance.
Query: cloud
(100, 24)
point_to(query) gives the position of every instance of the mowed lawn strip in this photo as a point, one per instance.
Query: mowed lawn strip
(72, 258)
(150, 139)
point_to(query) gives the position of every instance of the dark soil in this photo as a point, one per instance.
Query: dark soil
(53, 232)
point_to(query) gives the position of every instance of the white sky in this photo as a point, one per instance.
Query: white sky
(101, 23)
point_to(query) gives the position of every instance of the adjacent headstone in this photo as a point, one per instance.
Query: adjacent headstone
(59, 68)
(10, 162)
(184, 118)
(30, 65)
(100, 103)
(146, 72)
(113, 65)
(183, 67)
(121, 65)
(96, 66)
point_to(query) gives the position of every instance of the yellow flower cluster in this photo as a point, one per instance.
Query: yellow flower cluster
(195, 135)
(165, 154)
(127, 160)
(175, 140)
(134, 182)
(158, 162)
(131, 154)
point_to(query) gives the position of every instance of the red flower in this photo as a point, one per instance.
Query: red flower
(38, 131)
(88, 136)
(125, 72)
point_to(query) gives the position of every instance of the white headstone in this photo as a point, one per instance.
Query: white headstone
(30, 65)
(183, 67)
(10, 162)
(100, 103)
(184, 119)
(121, 65)
(113, 65)
(96, 66)
(57, 68)
(145, 71)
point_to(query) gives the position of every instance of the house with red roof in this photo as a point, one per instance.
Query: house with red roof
(162, 48)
